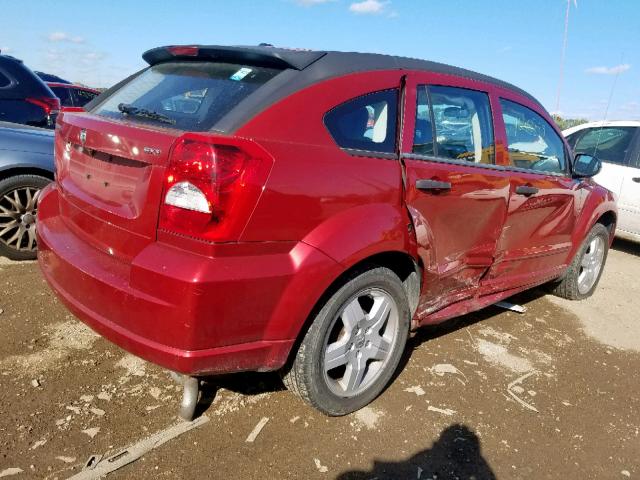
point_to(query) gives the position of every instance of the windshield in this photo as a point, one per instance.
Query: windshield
(193, 95)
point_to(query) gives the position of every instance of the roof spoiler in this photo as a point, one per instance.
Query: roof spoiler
(264, 56)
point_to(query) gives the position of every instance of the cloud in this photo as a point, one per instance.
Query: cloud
(54, 55)
(311, 3)
(64, 37)
(92, 57)
(368, 7)
(6, 49)
(623, 67)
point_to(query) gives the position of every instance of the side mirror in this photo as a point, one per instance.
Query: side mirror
(586, 166)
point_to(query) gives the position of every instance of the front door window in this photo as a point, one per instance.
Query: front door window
(533, 143)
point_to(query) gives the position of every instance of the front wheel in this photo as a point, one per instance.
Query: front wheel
(584, 272)
(18, 208)
(354, 344)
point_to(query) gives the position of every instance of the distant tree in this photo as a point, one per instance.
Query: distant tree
(564, 123)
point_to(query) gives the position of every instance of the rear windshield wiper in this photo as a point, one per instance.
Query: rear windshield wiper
(143, 112)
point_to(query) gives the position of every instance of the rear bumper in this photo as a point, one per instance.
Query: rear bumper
(189, 313)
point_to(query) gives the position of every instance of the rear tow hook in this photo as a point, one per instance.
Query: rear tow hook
(190, 395)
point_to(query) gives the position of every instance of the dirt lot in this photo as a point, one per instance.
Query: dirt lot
(552, 393)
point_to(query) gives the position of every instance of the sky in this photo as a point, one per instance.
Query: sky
(101, 42)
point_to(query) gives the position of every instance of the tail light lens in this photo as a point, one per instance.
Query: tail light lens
(50, 105)
(212, 185)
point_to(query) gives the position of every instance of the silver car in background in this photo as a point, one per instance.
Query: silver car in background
(26, 166)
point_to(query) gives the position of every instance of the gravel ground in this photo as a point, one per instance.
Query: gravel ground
(552, 393)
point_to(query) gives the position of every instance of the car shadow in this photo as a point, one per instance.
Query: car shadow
(456, 454)
(432, 332)
(255, 383)
(626, 246)
(245, 383)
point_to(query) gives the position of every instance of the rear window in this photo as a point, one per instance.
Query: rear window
(64, 95)
(5, 81)
(193, 95)
(82, 97)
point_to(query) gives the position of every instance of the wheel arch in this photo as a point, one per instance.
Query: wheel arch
(25, 170)
(406, 267)
(609, 219)
(401, 263)
(598, 207)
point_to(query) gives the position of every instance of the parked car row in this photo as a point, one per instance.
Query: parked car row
(29, 105)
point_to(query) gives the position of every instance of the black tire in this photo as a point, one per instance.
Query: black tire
(9, 214)
(306, 377)
(568, 286)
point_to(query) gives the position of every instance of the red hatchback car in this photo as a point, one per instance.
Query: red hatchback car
(72, 97)
(255, 208)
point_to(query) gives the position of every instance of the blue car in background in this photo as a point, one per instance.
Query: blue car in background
(26, 166)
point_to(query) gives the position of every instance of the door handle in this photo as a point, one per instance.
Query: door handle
(426, 184)
(526, 190)
(636, 179)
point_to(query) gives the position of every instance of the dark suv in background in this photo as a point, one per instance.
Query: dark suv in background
(24, 97)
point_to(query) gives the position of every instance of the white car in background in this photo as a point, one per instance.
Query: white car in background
(617, 145)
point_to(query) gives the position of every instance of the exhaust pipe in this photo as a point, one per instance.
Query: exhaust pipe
(190, 395)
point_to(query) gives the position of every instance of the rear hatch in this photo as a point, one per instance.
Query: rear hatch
(111, 162)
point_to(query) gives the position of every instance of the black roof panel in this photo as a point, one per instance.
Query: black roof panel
(303, 68)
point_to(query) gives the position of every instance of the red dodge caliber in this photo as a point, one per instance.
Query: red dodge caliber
(256, 208)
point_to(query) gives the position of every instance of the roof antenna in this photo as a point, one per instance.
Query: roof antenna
(564, 51)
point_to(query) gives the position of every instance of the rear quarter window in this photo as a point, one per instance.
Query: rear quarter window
(366, 123)
(193, 95)
(5, 81)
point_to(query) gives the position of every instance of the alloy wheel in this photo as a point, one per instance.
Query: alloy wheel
(18, 209)
(360, 342)
(591, 264)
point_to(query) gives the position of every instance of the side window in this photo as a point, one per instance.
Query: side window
(63, 93)
(82, 97)
(462, 121)
(366, 123)
(533, 143)
(5, 81)
(609, 144)
(573, 138)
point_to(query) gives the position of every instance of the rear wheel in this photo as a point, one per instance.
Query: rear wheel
(354, 344)
(584, 273)
(18, 207)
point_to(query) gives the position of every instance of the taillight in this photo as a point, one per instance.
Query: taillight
(212, 185)
(50, 105)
